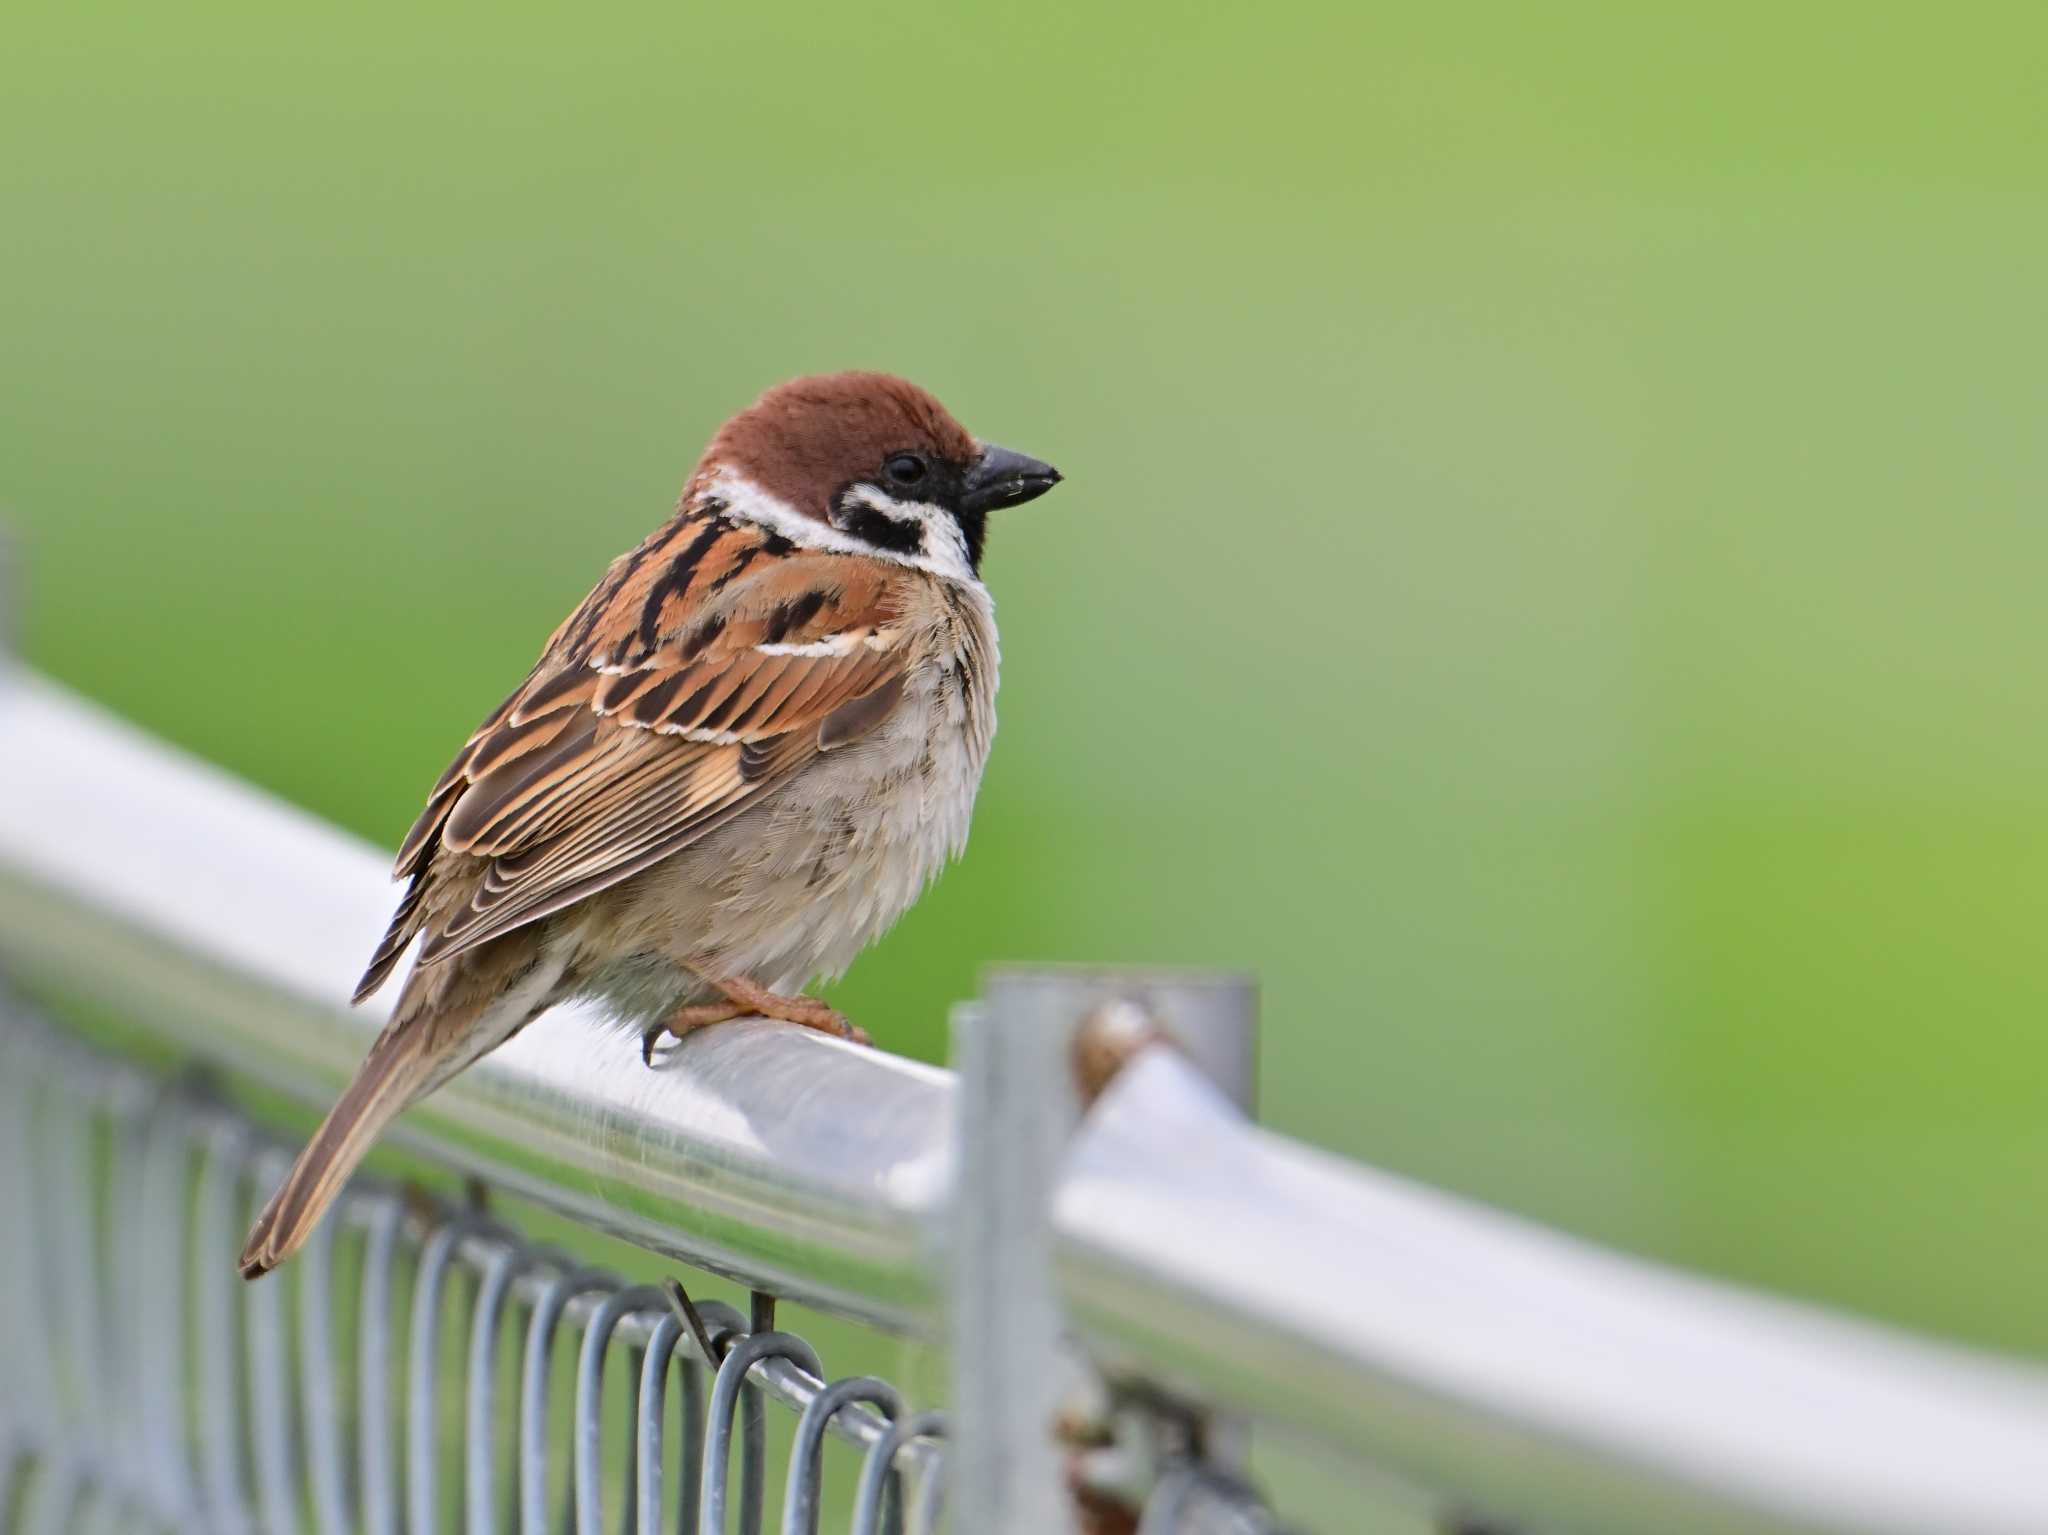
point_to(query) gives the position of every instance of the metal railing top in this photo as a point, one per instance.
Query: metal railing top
(1539, 1375)
(1494, 1364)
(135, 870)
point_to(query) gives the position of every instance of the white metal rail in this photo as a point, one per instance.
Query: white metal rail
(133, 868)
(1493, 1364)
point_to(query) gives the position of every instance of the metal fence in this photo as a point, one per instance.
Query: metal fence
(151, 1390)
(1136, 1287)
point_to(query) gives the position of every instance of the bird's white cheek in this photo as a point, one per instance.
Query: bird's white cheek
(942, 550)
(946, 547)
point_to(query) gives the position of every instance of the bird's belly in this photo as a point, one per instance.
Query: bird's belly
(796, 887)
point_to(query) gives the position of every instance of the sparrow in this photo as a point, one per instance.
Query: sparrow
(733, 767)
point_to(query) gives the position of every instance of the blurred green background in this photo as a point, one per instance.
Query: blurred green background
(1549, 575)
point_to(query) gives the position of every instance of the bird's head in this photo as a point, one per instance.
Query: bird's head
(867, 462)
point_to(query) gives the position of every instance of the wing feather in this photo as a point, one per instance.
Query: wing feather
(668, 703)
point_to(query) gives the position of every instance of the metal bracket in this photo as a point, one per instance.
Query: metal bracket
(1029, 1057)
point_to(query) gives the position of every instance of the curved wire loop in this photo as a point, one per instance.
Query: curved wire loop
(71, 1266)
(219, 1341)
(654, 1362)
(930, 1504)
(154, 1390)
(376, 1462)
(423, 1388)
(725, 1323)
(878, 1474)
(728, 1392)
(536, 1367)
(587, 1457)
(807, 1452)
(270, 1392)
(319, 1397)
(27, 1359)
(121, 1253)
(162, 1274)
(487, 1314)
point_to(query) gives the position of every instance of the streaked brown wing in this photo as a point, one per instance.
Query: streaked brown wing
(709, 676)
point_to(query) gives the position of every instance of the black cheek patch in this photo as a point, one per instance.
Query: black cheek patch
(882, 531)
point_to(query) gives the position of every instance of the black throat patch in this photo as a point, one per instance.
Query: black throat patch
(974, 533)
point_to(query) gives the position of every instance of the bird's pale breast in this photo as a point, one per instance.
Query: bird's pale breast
(797, 886)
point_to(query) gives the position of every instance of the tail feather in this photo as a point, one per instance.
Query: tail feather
(446, 1017)
(396, 1071)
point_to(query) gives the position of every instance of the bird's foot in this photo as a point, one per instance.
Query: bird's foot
(805, 1012)
(688, 1020)
(745, 999)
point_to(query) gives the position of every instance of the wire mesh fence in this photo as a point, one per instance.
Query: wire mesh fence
(1130, 1279)
(421, 1369)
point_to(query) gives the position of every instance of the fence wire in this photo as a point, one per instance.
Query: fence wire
(417, 1369)
(1208, 1284)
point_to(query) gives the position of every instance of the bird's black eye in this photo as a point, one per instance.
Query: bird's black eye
(904, 468)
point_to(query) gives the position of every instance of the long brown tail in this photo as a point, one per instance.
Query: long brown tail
(398, 1068)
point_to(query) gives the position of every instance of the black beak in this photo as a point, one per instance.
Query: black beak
(1002, 478)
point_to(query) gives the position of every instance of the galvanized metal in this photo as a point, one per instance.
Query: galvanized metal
(270, 1414)
(431, 1284)
(222, 1426)
(1027, 1058)
(589, 1450)
(655, 1364)
(480, 1414)
(1208, 1265)
(382, 1216)
(1532, 1377)
(320, 1390)
(732, 1397)
(806, 1455)
(232, 921)
(536, 1444)
(99, 1422)
(878, 1501)
(1017, 1109)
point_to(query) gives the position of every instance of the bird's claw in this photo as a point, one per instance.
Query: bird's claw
(745, 999)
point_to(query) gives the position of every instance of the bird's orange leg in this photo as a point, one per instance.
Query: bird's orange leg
(745, 999)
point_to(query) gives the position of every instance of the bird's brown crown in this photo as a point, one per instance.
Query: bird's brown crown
(805, 440)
